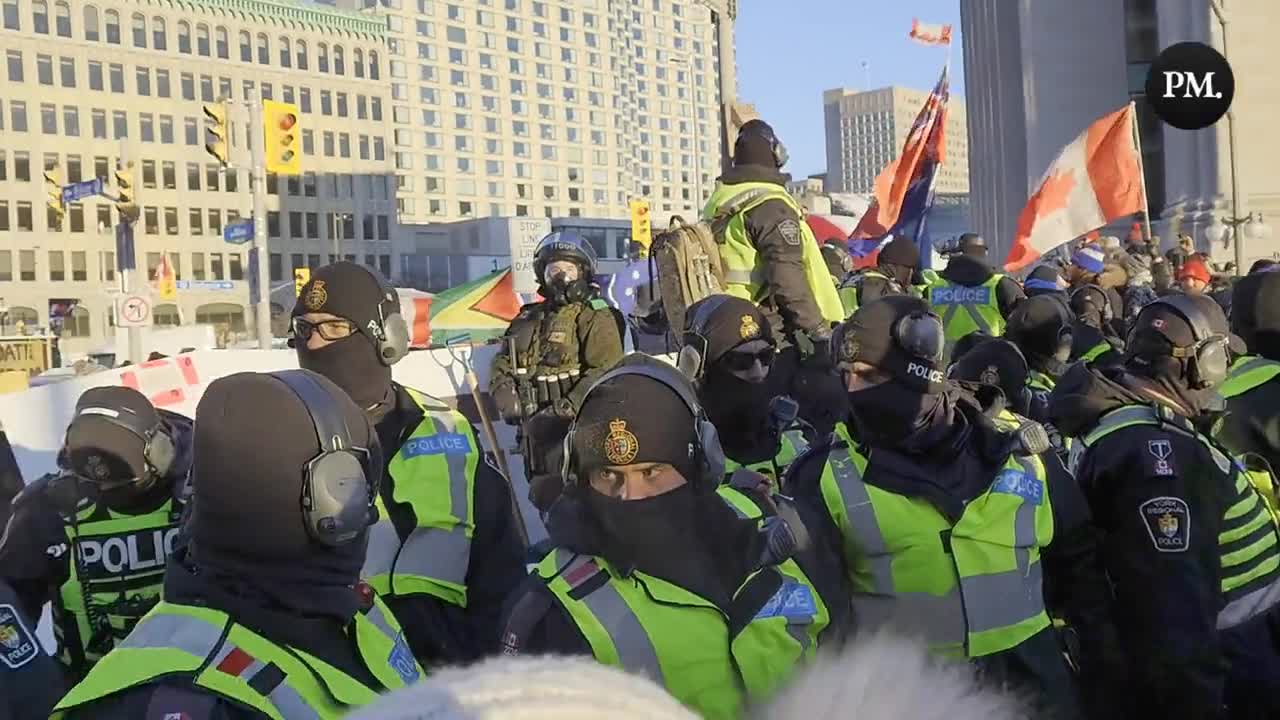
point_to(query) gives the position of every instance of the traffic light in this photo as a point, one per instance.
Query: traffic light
(126, 191)
(283, 144)
(53, 190)
(301, 276)
(219, 146)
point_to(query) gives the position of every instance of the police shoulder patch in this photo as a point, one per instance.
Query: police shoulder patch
(17, 643)
(790, 231)
(598, 304)
(1160, 458)
(1168, 522)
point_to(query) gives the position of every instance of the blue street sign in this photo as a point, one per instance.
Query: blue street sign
(255, 292)
(81, 190)
(205, 285)
(125, 254)
(238, 233)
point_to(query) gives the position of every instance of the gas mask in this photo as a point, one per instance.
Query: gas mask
(563, 282)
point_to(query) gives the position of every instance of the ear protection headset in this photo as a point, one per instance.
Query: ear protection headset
(708, 455)
(1085, 293)
(780, 154)
(921, 335)
(158, 451)
(392, 334)
(693, 353)
(340, 485)
(1208, 359)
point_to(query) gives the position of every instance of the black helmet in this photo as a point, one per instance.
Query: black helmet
(972, 243)
(836, 255)
(564, 246)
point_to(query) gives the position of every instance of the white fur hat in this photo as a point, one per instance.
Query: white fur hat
(885, 677)
(529, 688)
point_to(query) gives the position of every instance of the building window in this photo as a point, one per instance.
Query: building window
(112, 21)
(159, 38)
(138, 27)
(40, 16)
(57, 266)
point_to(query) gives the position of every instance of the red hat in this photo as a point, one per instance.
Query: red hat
(1195, 268)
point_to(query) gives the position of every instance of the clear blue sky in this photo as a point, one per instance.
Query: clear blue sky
(789, 51)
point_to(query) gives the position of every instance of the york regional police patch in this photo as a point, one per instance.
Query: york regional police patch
(1168, 521)
(17, 645)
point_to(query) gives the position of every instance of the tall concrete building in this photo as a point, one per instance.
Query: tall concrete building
(866, 129)
(86, 82)
(1036, 74)
(551, 109)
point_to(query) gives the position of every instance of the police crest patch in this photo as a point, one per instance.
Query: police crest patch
(790, 231)
(620, 445)
(1168, 521)
(17, 644)
(316, 297)
(749, 328)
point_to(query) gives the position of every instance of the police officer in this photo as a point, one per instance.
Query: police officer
(727, 351)
(969, 296)
(652, 570)
(92, 538)
(30, 679)
(1189, 545)
(1252, 390)
(893, 275)
(447, 546)
(1092, 333)
(995, 372)
(561, 344)
(1042, 329)
(1090, 266)
(948, 523)
(262, 615)
(771, 258)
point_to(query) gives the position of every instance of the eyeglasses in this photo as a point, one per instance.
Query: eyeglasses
(335, 329)
(741, 361)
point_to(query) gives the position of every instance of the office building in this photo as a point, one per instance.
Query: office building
(867, 129)
(88, 82)
(1037, 74)
(551, 109)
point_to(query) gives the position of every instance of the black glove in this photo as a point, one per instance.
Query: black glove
(508, 402)
(815, 347)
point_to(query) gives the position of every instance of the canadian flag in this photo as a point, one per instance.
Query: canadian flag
(1094, 180)
(927, 34)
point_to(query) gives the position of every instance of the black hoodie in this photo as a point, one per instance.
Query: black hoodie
(971, 272)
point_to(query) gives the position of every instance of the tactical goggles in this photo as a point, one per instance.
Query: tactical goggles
(736, 360)
(334, 329)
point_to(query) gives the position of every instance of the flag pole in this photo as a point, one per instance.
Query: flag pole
(1142, 170)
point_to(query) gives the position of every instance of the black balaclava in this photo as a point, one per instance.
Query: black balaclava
(349, 291)
(1255, 312)
(753, 146)
(250, 554)
(1040, 326)
(105, 444)
(739, 409)
(910, 410)
(682, 536)
(899, 259)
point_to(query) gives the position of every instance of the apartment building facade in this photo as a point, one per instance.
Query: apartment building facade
(89, 82)
(548, 108)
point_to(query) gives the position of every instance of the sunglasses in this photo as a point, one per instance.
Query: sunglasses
(742, 361)
(335, 329)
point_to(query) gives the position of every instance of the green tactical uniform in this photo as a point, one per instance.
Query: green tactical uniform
(974, 587)
(231, 662)
(745, 275)
(712, 663)
(581, 337)
(966, 309)
(432, 473)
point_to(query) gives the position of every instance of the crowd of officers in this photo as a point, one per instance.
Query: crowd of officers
(1064, 482)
